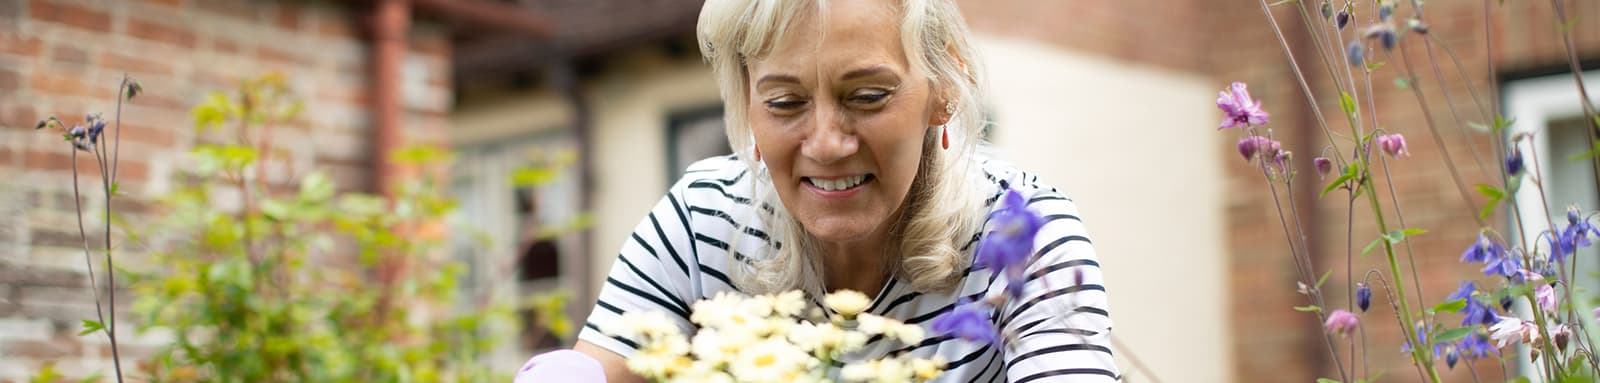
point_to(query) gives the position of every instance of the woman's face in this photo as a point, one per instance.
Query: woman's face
(839, 118)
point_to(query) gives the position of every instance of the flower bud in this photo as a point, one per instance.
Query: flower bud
(1385, 11)
(1514, 163)
(1363, 296)
(1394, 144)
(1417, 26)
(1355, 53)
(1324, 166)
(1342, 19)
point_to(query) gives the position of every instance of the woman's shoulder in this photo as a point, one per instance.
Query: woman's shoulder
(1000, 175)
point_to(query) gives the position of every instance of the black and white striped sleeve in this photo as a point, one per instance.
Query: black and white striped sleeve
(1061, 326)
(654, 271)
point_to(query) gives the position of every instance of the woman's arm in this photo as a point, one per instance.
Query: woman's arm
(616, 367)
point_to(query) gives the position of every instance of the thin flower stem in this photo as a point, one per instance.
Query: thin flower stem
(1399, 215)
(111, 281)
(88, 261)
(1472, 370)
(1577, 77)
(1438, 140)
(1307, 274)
(1472, 90)
(1134, 360)
(1438, 75)
(1299, 76)
(1419, 354)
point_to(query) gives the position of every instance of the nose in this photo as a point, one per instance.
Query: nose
(832, 138)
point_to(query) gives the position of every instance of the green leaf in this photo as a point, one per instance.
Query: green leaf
(1454, 334)
(1370, 246)
(90, 327)
(1402, 83)
(1586, 154)
(1495, 196)
(1450, 306)
(1324, 278)
(1567, 26)
(1347, 103)
(1350, 172)
(1501, 124)
(1326, 380)
(1478, 126)
(1311, 308)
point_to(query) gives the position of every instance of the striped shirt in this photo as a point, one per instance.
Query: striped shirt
(1058, 330)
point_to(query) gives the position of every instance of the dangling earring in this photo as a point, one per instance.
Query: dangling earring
(949, 112)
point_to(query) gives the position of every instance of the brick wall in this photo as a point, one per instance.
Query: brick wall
(64, 57)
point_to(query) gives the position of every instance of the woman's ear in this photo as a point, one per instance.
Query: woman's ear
(943, 111)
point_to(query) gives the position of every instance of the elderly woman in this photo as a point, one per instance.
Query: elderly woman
(856, 125)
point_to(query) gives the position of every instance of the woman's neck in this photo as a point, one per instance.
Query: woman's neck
(857, 265)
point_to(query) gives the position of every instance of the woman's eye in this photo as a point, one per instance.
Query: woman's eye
(785, 104)
(868, 98)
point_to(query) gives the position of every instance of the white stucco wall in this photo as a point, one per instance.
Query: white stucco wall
(1134, 147)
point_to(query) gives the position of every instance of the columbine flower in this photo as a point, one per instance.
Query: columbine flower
(1007, 247)
(968, 320)
(1545, 296)
(1505, 266)
(1512, 329)
(1363, 296)
(1484, 250)
(1514, 162)
(1323, 165)
(1475, 312)
(1420, 332)
(1341, 322)
(1355, 53)
(1384, 34)
(1394, 144)
(1475, 346)
(1252, 146)
(1238, 109)
(1576, 235)
(847, 302)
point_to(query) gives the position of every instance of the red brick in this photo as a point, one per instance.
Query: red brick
(20, 45)
(60, 158)
(70, 14)
(224, 45)
(278, 56)
(229, 8)
(60, 84)
(170, 3)
(157, 136)
(288, 16)
(70, 55)
(136, 65)
(10, 80)
(161, 33)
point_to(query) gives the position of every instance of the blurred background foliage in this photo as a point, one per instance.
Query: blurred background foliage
(260, 282)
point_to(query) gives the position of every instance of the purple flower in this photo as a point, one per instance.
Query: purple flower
(1576, 234)
(1545, 296)
(1342, 19)
(1514, 163)
(1341, 322)
(1484, 250)
(1506, 266)
(1009, 244)
(1463, 292)
(1355, 53)
(1475, 346)
(969, 321)
(1363, 296)
(1394, 144)
(1238, 109)
(1477, 313)
(1251, 146)
(1323, 165)
(1385, 11)
(1421, 333)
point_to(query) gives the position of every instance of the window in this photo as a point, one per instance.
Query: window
(692, 136)
(1549, 108)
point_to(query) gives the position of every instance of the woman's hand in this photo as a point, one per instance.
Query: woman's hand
(616, 368)
(562, 366)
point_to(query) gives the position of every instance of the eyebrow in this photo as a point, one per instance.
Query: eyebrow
(865, 72)
(851, 75)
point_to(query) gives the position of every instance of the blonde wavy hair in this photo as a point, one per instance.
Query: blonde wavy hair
(941, 212)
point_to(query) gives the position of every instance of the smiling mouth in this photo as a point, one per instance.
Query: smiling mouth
(839, 184)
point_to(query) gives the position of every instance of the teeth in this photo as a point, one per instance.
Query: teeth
(838, 184)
